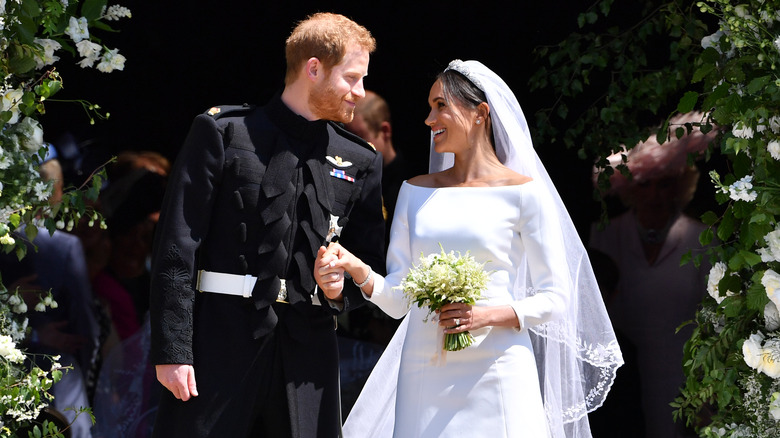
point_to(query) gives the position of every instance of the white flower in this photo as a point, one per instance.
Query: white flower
(13, 300)
(711, 40)
(49, 47)
(115, 12)
(751, 350)
(20, 308)
(771, 317)
(42, 190)
(6, 239)
(772, 252)
(29, 134)
(10, 102)
(774, 406)
(111, 61)
(774, 123)
(774, 149)
(78, 29)
(742, 131)
(87, 48)
(771, 282)
(770, 358)
(741, 190)
(716, 274)
(9, 351)
(777, 43)
(40, 307)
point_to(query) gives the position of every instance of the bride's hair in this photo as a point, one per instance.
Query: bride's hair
(458, 88)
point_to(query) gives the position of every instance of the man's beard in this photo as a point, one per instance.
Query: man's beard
(328, 105)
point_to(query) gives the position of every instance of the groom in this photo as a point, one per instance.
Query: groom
(241, 339)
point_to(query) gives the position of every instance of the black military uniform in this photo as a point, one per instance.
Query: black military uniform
(254, 194)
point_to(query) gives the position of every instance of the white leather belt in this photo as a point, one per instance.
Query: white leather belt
(238, 285)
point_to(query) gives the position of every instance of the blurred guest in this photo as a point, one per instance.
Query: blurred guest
(373, 124)
(655, 294)
(131, 206)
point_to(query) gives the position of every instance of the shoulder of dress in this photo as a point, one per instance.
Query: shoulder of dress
(218, 112)
(340, 130)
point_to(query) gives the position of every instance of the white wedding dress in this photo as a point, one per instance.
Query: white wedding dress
(490, 389)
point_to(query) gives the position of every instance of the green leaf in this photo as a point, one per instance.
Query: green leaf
(688, 102)
(91, 9)
(726, 226)
(758, 83)
(750, 257)
(706, 236)
(709, 218)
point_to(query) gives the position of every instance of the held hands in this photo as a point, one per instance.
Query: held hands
(329, 271)
(179, 379)
(329, 268)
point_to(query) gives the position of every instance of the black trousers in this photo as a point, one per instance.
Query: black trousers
(274, 387)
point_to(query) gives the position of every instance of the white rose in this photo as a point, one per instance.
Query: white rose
(751, 350)
(10, 102)
(774, 149)
(771, 317)
(771, 282)
(716, 274)
(770, 358)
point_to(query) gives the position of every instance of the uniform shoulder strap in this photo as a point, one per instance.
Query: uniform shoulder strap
(342, 131)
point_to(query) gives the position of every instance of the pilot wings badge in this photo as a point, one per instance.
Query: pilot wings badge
(338, 161)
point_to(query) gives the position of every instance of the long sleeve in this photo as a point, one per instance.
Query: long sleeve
(386, 295)
(546, 255)
(184, 223)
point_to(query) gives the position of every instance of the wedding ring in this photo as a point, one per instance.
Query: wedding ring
(457, 322)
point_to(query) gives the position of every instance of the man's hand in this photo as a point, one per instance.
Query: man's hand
(179, 379)
(328, 273)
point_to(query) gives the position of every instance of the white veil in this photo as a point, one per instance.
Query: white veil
(577, 357)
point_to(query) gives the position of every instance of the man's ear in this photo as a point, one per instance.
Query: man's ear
(386, 131)
(314, 69)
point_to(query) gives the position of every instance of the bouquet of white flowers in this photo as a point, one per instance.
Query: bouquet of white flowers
(446, 278)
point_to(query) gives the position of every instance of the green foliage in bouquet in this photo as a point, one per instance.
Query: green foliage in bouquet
(443, 278)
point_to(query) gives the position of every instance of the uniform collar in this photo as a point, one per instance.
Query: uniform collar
(293, 124)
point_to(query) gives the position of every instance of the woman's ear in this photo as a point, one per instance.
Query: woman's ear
(483, 111)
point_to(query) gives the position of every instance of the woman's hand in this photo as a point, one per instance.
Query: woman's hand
(459, 317)
(328, 272)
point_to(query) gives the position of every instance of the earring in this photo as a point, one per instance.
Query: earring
(479, 121)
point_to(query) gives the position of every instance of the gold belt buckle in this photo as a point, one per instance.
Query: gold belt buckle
(281, 297)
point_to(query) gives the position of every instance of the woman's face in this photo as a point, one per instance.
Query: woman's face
(450, 122)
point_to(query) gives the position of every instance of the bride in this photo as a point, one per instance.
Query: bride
(544, 353)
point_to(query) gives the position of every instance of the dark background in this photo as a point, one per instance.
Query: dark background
(183, 58)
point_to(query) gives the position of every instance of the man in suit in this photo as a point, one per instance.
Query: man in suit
(241, 338)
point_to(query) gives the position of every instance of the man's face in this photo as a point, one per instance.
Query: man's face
(334, 96)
